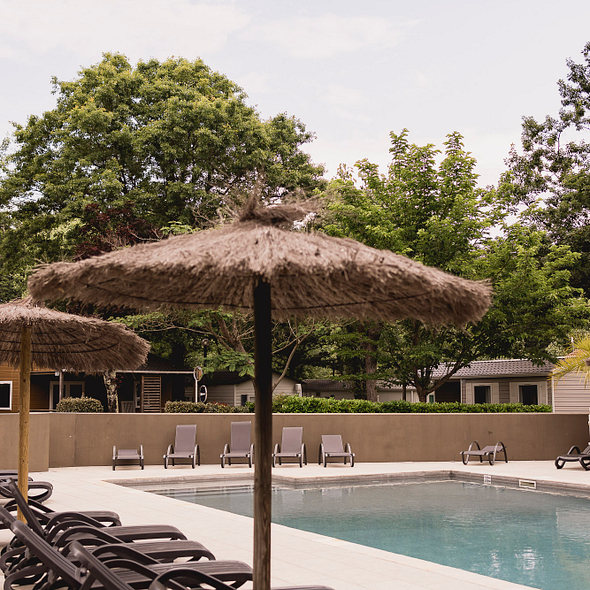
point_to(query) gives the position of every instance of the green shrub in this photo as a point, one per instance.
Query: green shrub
(203, 408)
(318, 405)
(79, 404)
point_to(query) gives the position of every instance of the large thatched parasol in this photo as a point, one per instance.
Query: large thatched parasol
(238, 267)
(34, 335)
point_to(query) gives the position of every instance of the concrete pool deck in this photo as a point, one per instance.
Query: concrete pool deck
(298, 557)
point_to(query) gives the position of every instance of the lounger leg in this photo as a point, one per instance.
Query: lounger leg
(559, 464)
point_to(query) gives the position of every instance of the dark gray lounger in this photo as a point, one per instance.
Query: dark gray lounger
(574, 455)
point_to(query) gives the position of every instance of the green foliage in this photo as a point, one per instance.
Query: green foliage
(203, 408)
(174, 138)
(79, 404)
(437, 216)
(288, 404)
(552, 172)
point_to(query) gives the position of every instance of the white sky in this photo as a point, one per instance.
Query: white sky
(352, 71)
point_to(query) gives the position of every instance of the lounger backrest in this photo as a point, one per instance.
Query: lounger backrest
(240, 437)
(24, 507)
(586, 451)
(292, 439)
(47, 554)
(186, 438)
(332, 443)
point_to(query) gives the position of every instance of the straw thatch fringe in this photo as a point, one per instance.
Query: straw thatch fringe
(310, 274)
(65, 341)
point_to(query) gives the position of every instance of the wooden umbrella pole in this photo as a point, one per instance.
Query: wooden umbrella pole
(24, 408)
(263, 434)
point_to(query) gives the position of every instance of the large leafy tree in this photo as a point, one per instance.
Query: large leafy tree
(174, 138)
(437, 215)
(551, 174)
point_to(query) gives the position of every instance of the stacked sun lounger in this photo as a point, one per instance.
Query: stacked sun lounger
(83, 550)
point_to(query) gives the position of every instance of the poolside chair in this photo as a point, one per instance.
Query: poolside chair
(134, 569)
(185, 447)
(490, 452)
(574, 455)
(128, 455)
(332, 447)
(38, 490)
(291, 447)
(240, 446)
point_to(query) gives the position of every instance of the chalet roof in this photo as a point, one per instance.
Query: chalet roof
(500, 368)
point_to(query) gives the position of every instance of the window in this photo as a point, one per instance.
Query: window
(5, 395)
(482, 394)
(71, 389)
(528, 395)
(528, 392)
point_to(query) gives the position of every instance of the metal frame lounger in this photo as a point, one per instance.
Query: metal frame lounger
(490, 452)
(332, 447)
(574, 455)
(185, 447)
(38, 490)
(128, 455)
(241, 446)
(291, 447)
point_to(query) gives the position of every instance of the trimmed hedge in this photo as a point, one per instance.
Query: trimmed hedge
(304, 405)
(79, 404)
(204, 408)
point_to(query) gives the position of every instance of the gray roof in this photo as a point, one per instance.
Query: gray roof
(500, 368)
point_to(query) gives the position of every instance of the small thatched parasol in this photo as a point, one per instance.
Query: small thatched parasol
(34, 335)
(238, 267)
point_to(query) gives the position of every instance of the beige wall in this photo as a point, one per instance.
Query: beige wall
(65, 440)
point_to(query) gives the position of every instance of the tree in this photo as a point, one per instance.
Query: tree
(173, 138)
(576, 362)
(438, 216)
(552, 174)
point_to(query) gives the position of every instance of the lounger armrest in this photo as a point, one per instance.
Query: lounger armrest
(303, 452)
(348, 449)
(574, 448)
(162, 582)
(226, 449)
(70, 518)
(252, 449)
(114, 452)
(125, 551)
(169, 450)
(277, 449)
(141, 451)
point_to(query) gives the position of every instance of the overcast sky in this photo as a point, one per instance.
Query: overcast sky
(352, 71)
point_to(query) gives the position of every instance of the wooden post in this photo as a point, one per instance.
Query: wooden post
(24, 408)
(263, 434)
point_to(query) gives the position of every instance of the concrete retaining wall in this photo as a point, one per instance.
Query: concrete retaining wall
(68, 440)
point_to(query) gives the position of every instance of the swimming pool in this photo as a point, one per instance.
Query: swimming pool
(531, 538)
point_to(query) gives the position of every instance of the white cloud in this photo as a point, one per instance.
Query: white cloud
(330, 35)
(254, 83)
(140, 28)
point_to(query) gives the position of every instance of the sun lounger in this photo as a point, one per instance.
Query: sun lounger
(574, 455)
(185, 447)
(127, 456)
(291, 446)
(38, 490)
(240, 446)
(133, 569)
(332, 447)
(490, 452)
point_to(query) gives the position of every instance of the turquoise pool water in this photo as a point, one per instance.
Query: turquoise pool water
(540, 540)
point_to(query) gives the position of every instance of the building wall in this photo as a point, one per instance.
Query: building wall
(571, 395)
(223, 394)
(68, 440)
(11, 376)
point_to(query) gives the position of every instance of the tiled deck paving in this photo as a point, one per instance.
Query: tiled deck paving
(298, 557)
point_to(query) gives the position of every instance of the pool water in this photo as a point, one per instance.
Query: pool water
(531, 538)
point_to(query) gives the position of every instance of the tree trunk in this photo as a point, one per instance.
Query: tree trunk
(110, 382)
(370, 346)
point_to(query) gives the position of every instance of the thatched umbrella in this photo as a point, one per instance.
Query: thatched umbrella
(238, 267)
(34, 335)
